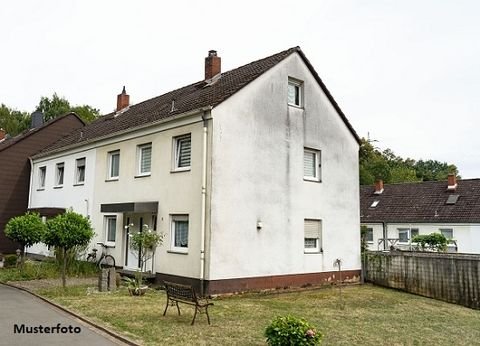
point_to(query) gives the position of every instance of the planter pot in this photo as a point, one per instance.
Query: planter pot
(138, 291)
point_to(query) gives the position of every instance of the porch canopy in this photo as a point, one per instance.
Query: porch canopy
(133, 207)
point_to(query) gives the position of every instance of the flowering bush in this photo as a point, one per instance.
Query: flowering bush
(144, 244)
(289, 330)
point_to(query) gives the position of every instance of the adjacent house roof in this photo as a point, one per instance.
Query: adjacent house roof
(422, 202)
(194, 96)
(8, 142)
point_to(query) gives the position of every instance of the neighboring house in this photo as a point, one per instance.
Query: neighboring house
(395, 213)
(251, 174)
(15, 166)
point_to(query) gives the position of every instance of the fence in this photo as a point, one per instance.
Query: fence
(454, 278)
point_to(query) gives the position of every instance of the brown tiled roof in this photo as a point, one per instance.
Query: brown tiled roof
(8, 142)
(423, 202)
(189, 98)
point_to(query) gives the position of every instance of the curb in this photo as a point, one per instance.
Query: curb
(83, 319)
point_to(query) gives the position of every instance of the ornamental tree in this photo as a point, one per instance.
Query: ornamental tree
(67, 231)
(144, 244)
(27, 230)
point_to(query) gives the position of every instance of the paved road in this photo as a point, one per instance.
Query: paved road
(21, 313)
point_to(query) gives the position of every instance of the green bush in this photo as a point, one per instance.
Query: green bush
(432, 242)
(289, 330)
(9, 261)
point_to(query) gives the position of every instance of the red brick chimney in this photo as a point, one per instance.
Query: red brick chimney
(378, 186)
(2, 134)
(452, 182)
(213, 64)
(123, 100)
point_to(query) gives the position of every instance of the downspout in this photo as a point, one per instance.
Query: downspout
(204, 203)
(384, 227)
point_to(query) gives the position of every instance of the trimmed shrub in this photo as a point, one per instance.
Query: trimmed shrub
(290, 330)
(431, 242)
(9, 261)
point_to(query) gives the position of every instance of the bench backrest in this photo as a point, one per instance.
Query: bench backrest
(181, 292)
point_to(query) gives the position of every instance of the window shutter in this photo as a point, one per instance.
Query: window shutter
(309, 164)
(184, 147)
(146, 159)
(312, 229)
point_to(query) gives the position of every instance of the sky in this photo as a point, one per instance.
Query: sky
(404, 72)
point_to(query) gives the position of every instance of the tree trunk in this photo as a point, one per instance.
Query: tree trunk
(64, 268)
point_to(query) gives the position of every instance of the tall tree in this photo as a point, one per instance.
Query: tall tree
(13, 121)
(56, 106)
(385, 165)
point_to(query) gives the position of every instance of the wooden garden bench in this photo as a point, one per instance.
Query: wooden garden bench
(177, 293)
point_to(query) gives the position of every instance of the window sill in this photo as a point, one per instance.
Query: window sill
(79, 184)
(142, 176)
(178, 252)
(295, 106)
(312, 180)
(58, 187)
(111, 179)
(41, 189)
(312, 252)
(183, 169)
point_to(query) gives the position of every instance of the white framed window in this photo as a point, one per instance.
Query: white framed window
(59, 174)
(110, 229)
(311, 164)
(144, 156)
(42, 174)
(113, 165)
(312, 236)
(413, 233)
(182, 147)
(179, 233)
(295, 92)
(80, 171)
(447, 233)
(405, 235)
(369, 235)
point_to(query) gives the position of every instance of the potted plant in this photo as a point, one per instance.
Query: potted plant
(144, 244)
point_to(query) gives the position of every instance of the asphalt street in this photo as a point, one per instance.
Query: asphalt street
(27, 320)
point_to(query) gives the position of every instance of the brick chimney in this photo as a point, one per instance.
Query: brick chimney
(378, 186)
(123, 100)
(2, 134)
(452, 182)
(213, 64)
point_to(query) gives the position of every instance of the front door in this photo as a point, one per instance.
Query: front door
(133, 223)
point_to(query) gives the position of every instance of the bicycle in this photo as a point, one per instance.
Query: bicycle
(105, 261)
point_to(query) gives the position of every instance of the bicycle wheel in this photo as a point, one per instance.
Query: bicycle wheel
(106, 262)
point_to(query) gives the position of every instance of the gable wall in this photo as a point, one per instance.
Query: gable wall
(257, 175)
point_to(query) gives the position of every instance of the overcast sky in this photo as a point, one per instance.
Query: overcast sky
(406, 72)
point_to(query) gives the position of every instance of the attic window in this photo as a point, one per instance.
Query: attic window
(374, 204)
(452, 199)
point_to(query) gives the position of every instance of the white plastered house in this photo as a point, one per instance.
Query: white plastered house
(395, 213)
(251, 174)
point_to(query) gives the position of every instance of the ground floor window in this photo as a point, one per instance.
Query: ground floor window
(179, 232)
(111, 229)
(312, 236)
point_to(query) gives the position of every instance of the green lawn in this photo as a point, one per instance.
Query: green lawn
(371, 316)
